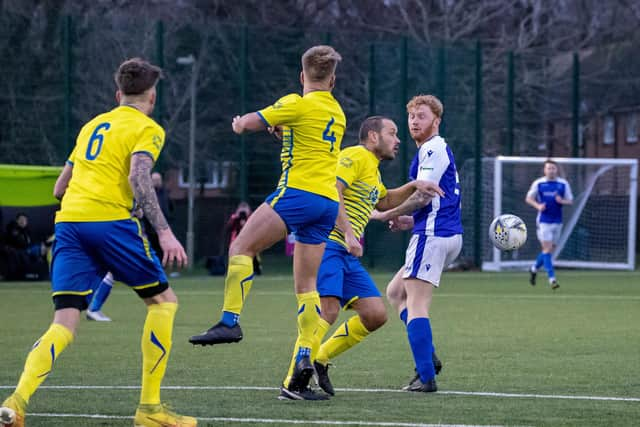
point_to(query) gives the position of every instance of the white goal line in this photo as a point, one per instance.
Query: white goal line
(268, 421)
(346, 390)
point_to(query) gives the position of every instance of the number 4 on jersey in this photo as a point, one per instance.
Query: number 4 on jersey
(328, 134)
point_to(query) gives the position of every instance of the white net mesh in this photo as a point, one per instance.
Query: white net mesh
(599, 228)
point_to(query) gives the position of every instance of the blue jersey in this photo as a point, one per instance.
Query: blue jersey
(545, 191)
(434, 162)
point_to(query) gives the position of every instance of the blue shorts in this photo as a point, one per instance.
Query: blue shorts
(342, 276)
(310, 217)
(84, 252)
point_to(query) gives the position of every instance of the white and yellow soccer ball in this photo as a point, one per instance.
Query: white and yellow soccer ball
(507, 232)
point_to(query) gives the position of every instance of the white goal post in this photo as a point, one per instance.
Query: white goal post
(599, 229)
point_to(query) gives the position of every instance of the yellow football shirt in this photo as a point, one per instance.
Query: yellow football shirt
(313, 128)
(358, 171)
(99, 189)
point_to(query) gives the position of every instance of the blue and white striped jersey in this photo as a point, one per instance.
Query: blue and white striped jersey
(434, 161)
(544, 191)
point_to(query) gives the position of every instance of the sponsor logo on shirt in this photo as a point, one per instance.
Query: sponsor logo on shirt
(346, 162)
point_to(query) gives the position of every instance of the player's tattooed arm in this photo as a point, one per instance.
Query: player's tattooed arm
(143, 191)
(417, 200)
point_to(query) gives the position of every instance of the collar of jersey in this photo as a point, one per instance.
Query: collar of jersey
(370, 154)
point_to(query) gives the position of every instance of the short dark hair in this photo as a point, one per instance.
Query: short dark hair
(552, 162)
(135, 76)
(372, 123)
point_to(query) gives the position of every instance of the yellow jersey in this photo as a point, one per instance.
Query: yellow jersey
(313, 126)
(358, 171)
(99, 189)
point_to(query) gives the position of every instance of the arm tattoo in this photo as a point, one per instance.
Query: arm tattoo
(416, 201)
(145, 194)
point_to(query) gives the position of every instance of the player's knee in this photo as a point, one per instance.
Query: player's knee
(395, 295)
(237, 247)
(330, 312)
(165, 296)
(374, 319)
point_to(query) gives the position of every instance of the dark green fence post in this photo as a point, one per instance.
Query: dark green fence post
(327, 38)
(510, 102)
(159, 110)
(244, 53)
(477, 232)
(441, 79)
(404, 154)
(372, 79)
(372, 111)
(68, 71)
(575, 122)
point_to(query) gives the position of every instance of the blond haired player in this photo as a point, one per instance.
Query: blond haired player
(305, 203)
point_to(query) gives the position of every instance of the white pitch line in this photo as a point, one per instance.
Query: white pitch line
(346, 390)
(268, 421)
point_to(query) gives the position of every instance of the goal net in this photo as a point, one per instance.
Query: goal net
(599, 228)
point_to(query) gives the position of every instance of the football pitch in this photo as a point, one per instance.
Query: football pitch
(513, 354)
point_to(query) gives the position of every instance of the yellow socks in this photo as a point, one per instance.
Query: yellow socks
(308, 318)
(346, 336)
(41, 358)
(321, 331)
(156, 346)
(237, 283)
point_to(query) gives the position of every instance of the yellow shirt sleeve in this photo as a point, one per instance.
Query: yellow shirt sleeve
(151, 141)
(284, 112)
(347, 169)
(383, 191)
(72, 157)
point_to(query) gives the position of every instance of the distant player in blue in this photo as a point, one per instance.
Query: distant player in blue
(547, 195)
(437, 234)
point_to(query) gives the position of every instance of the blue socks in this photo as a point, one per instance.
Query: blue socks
(548, 265)
(101, 294)
(229, 319)
(404, 314)
(539, 261)
(420, 339)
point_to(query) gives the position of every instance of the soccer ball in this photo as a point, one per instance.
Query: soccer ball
(507, 232)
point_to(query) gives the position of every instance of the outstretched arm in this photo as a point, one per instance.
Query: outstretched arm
(398, 195)
(140, 180)
(419, 199)
(63, 181)
(250, 122)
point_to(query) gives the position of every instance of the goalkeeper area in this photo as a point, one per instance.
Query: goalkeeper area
(513, 355)
(599, 228)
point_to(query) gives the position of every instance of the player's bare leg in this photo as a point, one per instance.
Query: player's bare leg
(263, 228)
(396, 294)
